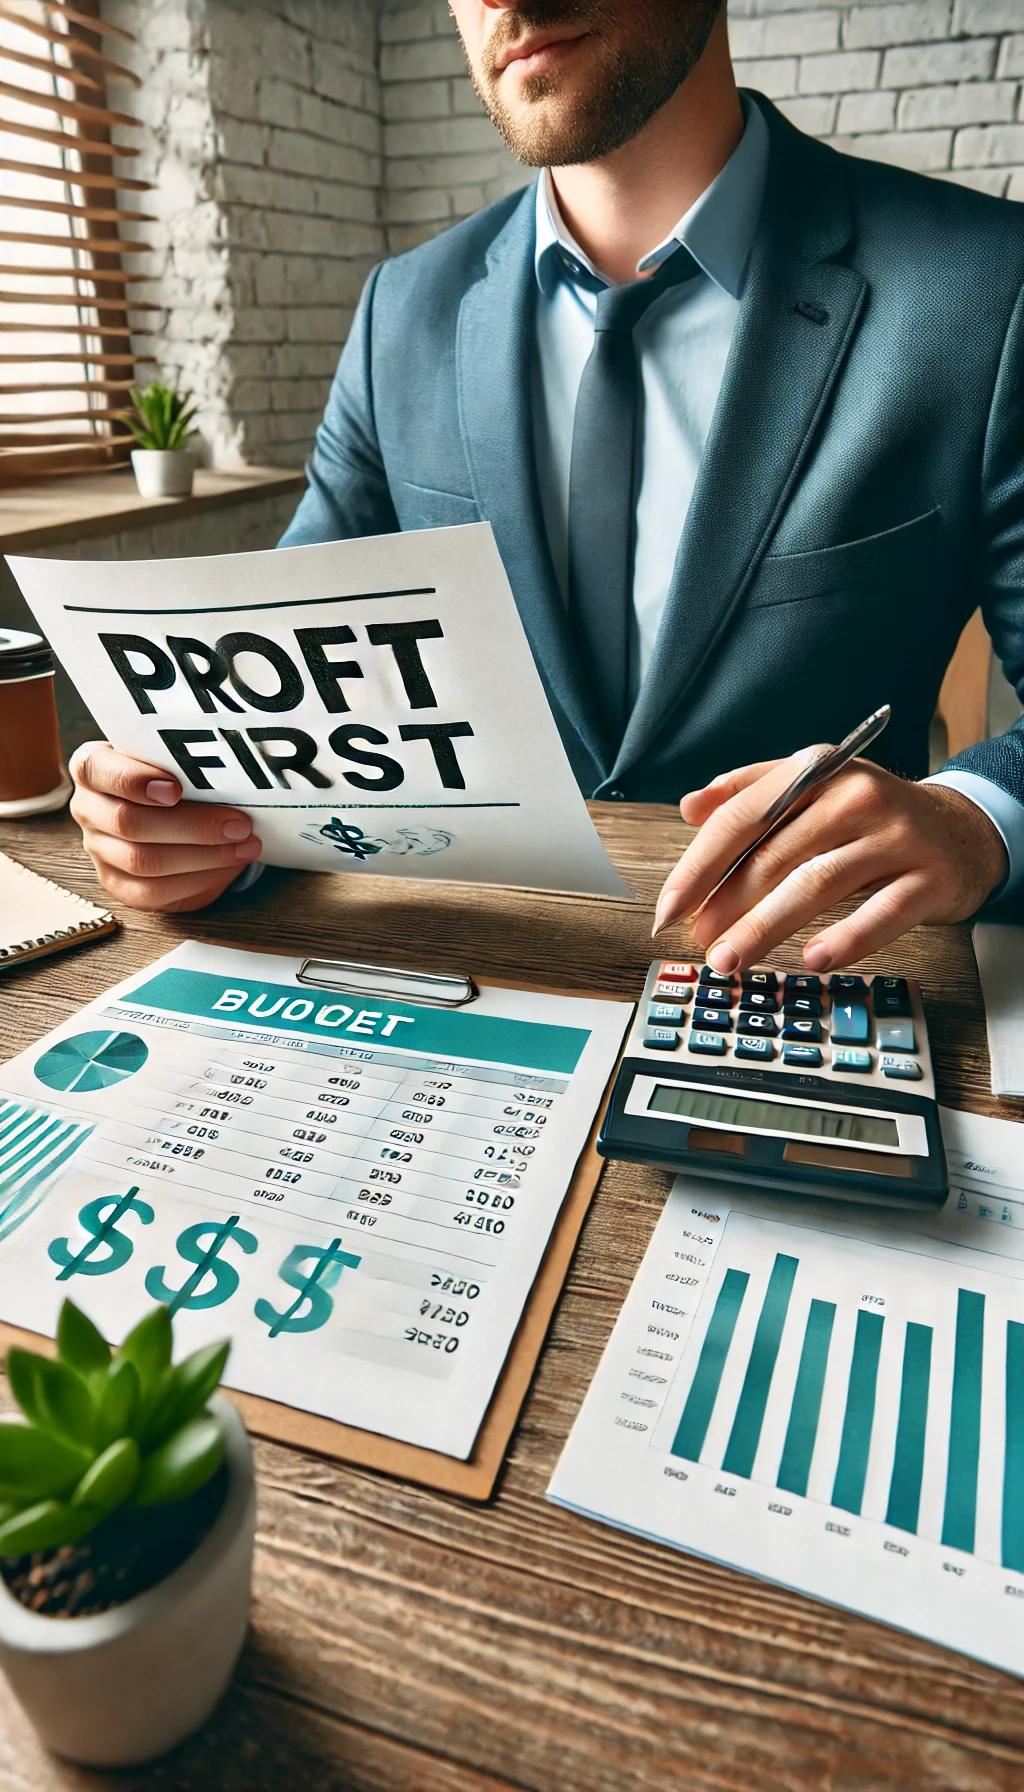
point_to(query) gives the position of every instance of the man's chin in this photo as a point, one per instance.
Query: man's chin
(550, 127)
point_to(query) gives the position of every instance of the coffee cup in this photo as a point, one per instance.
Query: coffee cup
(33, 776)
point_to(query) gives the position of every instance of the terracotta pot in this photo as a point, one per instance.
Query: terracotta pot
(163, 472)
(122, 1687)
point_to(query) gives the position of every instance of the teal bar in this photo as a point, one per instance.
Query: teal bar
(1013, 1468)
(964, 1423)
(700, 1401)
(802, 1429)
(288, 1008)
(848, 1487)
(908, 1461)
(746, 1426)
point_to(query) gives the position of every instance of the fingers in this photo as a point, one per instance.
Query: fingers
(732, 827)
(199, 824)
(875, 851)
(902, 904)
(178, 893)
(791, 904)
(697, 805)
(144, 861)
(151, 850)
(96, 766)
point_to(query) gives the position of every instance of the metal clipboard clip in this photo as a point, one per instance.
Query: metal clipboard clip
(438, 989)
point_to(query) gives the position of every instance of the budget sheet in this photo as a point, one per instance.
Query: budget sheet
(359, 1191)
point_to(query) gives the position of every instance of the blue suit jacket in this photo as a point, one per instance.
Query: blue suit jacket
(862, 489)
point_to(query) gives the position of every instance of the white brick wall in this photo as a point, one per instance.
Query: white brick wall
(264, 129)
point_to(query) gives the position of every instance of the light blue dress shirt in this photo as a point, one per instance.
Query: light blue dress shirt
(682, 342)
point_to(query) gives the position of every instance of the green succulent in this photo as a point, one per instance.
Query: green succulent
(163, 417)
(102, 1428)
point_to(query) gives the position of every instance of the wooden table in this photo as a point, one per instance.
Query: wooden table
(404, 1642)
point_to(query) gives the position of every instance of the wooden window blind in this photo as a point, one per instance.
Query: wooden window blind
(66, 362)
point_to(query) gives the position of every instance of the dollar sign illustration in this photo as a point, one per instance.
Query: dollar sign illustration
(100, 1218)
(328, 1263)
(207, 1260)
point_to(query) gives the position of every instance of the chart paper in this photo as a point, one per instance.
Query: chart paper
(358, 1192)
(830, 1400)
(373, 705)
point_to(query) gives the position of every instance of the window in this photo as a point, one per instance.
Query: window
(66, 362)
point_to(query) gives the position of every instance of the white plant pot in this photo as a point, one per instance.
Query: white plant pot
(163, 472)
(122, 1687)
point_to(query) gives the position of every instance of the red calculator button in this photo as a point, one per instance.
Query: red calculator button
(678, 973)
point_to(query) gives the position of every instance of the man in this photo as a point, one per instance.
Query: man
(746, 417)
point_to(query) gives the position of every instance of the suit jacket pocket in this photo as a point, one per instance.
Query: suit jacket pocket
(874, 561)
(424, 507)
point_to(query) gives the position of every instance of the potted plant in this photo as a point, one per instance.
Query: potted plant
(127, 1516)
(162, 427)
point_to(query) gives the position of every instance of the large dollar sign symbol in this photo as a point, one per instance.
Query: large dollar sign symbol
(100, 1218)
(208, 1261)
(312, 1285)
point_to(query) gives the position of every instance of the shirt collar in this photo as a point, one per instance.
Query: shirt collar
(718, 229)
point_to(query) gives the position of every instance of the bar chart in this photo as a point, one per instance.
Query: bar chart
(829, 1398)
(862, 1379)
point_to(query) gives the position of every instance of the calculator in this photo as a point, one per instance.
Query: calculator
(793, 1082)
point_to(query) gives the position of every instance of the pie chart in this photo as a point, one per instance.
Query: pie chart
(90, 1061)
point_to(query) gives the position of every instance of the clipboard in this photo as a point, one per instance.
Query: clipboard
(473, 1478)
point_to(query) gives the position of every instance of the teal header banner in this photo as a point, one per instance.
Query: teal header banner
(356, 1020)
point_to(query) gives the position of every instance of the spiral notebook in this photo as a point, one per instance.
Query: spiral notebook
(37, 916)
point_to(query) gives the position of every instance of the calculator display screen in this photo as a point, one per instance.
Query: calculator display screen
(772, 1116)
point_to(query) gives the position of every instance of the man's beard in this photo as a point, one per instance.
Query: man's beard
(631, 81)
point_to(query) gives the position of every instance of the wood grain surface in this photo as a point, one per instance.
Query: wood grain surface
(405, 1642)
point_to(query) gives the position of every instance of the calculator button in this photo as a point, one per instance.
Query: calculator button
(759, 1001)
(807, 1030)
(753, 1048)
(715, 998)
(844, 985)
(805, 1005)
(850, 1023)
(672, 992)
(896, 1036)
(890, 1004)
(808, 1057)
(803, 985)
(666, 1014)
(757, 1024)
(907, 1069)
(715, 979)
(678, 973)
(851, 1057)
(712, 1045)
(760, 979)
(713, 1017)
(661, 1039)
(891, 986)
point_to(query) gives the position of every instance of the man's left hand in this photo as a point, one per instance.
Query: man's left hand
(918, 853)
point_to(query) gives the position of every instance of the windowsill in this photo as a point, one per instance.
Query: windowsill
(43, 512)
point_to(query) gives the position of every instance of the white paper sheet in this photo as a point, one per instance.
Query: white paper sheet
(830, 1399)
(359, 1193)
(999, 951)
(422, 740)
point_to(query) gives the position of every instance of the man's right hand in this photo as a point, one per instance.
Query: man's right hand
(149, 848)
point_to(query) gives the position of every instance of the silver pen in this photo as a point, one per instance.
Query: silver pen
(821, 768)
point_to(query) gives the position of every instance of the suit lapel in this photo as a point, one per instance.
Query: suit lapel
(494, 363)
(799, 314)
